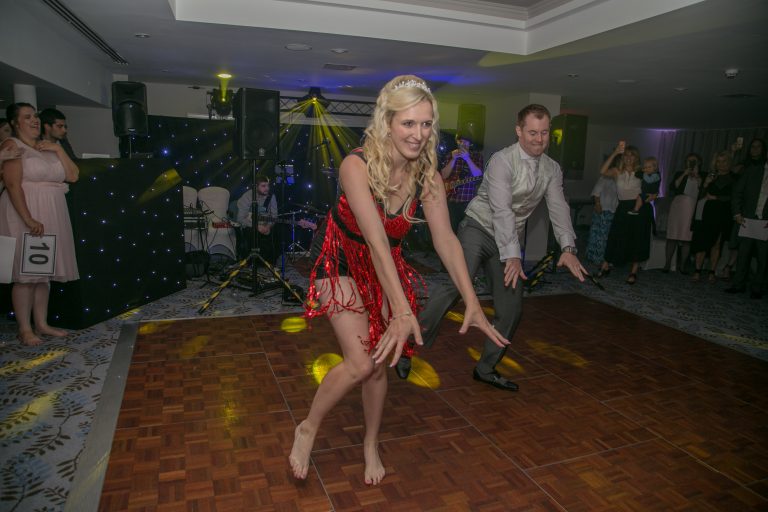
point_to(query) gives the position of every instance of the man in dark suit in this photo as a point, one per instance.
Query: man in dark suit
(750, 203)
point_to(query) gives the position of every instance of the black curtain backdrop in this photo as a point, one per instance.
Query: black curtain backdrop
(201, 151)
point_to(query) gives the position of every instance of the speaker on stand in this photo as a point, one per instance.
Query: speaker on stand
(129, 113)
(568, 144)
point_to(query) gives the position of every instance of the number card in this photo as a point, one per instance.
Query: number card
(38, 255)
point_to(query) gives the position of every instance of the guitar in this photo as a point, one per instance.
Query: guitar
(450, 185)
(303, 223)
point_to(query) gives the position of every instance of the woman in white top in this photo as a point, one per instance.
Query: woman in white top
(626, 239)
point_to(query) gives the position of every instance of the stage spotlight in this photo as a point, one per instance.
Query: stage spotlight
(313, 99)
(220, 102)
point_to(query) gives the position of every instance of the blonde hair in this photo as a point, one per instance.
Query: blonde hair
(632, 150)
(400, 93)
(653, 160)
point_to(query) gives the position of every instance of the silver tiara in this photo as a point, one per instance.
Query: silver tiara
(412, 83)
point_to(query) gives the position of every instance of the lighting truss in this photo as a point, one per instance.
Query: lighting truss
(336, 107)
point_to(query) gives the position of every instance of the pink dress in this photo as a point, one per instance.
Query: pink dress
(44, 189)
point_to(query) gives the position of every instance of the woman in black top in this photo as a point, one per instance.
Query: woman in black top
(712, 219)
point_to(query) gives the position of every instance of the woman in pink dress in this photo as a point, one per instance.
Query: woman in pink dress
(34, 203)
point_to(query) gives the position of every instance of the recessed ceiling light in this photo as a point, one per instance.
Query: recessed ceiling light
(141, 35)
(626, 81)
(339, 50)
(681, 89)
(298, 47)
(573, 75)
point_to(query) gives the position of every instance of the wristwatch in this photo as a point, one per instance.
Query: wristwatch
(570, 249)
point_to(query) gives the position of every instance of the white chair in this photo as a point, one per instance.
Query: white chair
(189, 197)
(214, 202)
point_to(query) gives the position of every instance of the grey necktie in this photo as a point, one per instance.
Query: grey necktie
(533, 166)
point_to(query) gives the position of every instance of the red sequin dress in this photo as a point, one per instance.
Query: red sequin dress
(343, 251)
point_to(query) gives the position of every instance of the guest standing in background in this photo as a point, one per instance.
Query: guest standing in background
(35, 203)
(712, 219)
(750, 204)
(462, 171)
(627, 239)
(685, 188)
(606, 199)
(53, 128)
(756, 156)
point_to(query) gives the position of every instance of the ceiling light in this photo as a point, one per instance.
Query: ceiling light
(573, 75)
(681, 89)
(626, 81)
(298, 47)
(339, 50)
(731, 73)
(220, 102)
(312, 100)
(141, 35)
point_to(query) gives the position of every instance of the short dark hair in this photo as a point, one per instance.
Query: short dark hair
(260, 178)
(538, 111)
(50, 115)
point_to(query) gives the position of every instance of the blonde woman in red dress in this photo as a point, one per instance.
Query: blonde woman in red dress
(360, 279)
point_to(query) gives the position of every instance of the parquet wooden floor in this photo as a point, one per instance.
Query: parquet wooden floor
(614, 413)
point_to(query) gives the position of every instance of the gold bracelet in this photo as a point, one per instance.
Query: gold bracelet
(401, 315)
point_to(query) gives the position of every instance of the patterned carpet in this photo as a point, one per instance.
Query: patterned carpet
(49, 394)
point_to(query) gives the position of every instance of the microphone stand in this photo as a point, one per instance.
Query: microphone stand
(255, 258)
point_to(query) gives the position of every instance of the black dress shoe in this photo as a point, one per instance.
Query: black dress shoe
(496, 381)
(403, 367)
(735, 289)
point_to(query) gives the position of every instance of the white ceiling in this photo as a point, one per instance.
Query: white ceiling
(660, 44)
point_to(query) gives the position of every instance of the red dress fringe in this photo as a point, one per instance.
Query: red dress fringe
(340, 224)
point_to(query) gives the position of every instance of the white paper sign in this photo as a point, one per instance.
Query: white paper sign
(754, 228)
(7, 253)
(38, 255)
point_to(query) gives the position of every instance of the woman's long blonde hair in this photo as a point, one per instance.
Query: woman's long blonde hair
(632, 150)
(400, 93)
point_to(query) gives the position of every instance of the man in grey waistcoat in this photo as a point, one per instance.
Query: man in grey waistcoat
(516, 179)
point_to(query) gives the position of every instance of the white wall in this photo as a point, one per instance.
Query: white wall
(90, 130)
(48, 56)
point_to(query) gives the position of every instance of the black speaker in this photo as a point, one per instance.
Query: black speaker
(568, 143)
(471, 123)
(129, 109)
(257, 124)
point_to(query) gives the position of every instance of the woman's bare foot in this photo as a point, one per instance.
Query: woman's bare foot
(304, 438)
(29, 338)
(52, 331)
(374, 470)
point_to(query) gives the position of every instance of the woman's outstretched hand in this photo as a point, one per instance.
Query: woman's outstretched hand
(474, 317)
(400, 328)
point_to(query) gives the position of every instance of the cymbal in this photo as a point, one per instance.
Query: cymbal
(328, 171)
(309, 208)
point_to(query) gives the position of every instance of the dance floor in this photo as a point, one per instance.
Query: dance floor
(614, 412)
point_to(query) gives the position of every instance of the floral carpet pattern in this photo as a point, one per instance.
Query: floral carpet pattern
(49, 393)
